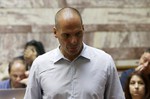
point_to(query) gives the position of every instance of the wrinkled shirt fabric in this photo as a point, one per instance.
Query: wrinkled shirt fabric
(92, 75)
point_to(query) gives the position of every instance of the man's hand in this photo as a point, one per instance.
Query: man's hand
(143, 69)
(25, 80)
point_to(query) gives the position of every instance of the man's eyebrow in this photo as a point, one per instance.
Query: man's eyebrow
(65, 33)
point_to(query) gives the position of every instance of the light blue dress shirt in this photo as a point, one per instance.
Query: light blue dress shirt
(92, 75)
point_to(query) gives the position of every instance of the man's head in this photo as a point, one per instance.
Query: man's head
(69, 32)
(17, 69)
(145, 61)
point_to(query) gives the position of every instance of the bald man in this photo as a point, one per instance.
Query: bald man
(16, 70)
(74, 70)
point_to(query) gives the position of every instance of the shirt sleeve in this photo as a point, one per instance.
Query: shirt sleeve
(5, 84)
(33, 90)
(124, 76)
(123, 79)
(113, 86)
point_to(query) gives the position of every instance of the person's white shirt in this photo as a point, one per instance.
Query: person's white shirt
(92, 75)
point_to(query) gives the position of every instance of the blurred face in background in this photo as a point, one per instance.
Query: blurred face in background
(145, 61)
(137, 87)
(30, 54)
(17, 73)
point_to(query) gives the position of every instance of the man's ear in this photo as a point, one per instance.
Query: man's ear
(55, 31)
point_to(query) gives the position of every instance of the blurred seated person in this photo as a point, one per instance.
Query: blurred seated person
(137, 86)
(32, 50)
(144, 67)
(16, 69)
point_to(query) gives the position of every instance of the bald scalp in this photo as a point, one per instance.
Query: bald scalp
(19, 60)
(66, 13)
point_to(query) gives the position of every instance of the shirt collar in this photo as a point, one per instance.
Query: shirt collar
(84, 53)
(58, 55)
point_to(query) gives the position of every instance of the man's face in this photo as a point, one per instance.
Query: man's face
(137, 87)
(145, 61)
(70, 36)
(17, 73)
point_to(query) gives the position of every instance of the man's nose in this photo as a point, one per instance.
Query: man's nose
(18, 78)
(74, 40)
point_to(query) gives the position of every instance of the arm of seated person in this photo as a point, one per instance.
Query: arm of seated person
(24, 81)
(143, 69)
